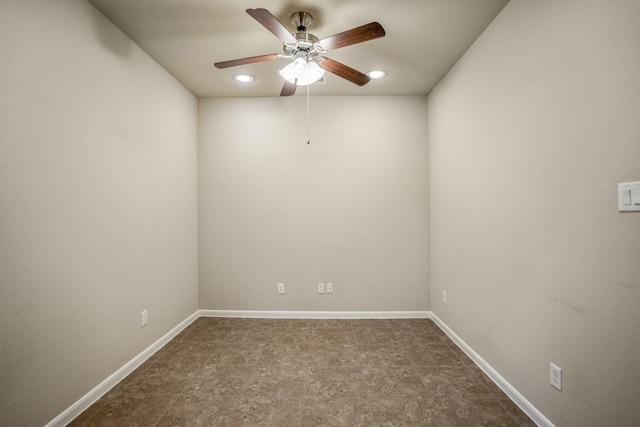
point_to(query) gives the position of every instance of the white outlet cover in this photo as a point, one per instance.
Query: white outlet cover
(555, 376)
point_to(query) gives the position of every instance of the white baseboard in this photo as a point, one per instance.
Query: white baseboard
(510, 391)
(101, 389)
(317, 314)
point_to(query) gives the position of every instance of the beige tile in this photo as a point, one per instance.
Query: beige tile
(337, 412)
(466, 360)
(335, 382)
(380, 356)
(289, 354)
(518, 414)
(210, 322)
(277, 381)
(413, 411)
(341, 324)
(249, 323)
(437, 329)
(178, 358)
(191, 410)
(483, 413)
(129, 410)
(490, 385)
(286, 335)
(415, 324)
(330, 336)
(248, 335)
(365, 335)
(178, 368)
(448, 341)
(339, 355)
(293, 372)
(291, 323)
(433, 355)
(207, 333)
(450, 382)
(187, 349)
(394, 381)
(417, 341)
(221, 380)
(375, 323)
(271, 412)
(415, 333)
(229, 353)
(143, 384)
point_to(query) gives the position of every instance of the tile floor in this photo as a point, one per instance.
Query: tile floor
(298, 372)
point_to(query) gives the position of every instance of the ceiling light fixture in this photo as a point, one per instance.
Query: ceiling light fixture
(243, 78)
(306, 50)
(302, 72)
(376, 74)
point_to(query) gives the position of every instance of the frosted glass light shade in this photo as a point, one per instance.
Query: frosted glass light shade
(304, 72)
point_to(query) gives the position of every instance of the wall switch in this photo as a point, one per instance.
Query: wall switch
(556, 377)
(329, 288)
(629, 196)
(281, 288)
(444, 297)
(143, 317)
(321, 288)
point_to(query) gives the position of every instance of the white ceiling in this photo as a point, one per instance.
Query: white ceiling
(424, 38)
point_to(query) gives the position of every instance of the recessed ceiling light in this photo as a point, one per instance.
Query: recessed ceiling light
(376, 74)
(243, 78)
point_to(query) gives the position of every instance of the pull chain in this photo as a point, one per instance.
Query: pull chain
(308, 119)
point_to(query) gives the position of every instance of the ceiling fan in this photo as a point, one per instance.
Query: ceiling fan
(308, 66)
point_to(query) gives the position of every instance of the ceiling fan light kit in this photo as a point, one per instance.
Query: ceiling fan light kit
(302, 72)
(307, 66)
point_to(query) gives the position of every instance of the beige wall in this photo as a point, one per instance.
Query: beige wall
(351, 208)
(98, 216)
(529, 135)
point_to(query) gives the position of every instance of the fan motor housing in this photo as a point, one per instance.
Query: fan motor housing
(305, 40)
(306, 45)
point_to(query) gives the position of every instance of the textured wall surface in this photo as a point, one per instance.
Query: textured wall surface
(529, 135)
(98, 215)
(350, 208)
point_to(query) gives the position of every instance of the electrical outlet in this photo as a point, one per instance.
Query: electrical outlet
(444, 297)
(556, 377)
(281, 288)
(143, 317)
(329, 288)
(321, 288)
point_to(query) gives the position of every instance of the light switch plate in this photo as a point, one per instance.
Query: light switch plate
(628, 197)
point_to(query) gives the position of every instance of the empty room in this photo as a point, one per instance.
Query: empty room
(302, 213)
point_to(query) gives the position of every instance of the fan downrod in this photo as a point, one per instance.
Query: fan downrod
(301, 20)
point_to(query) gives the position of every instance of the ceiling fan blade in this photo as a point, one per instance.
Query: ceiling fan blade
(271, 23)
(341, 70)
(249, 60)
(288, 89)
(370, 31)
